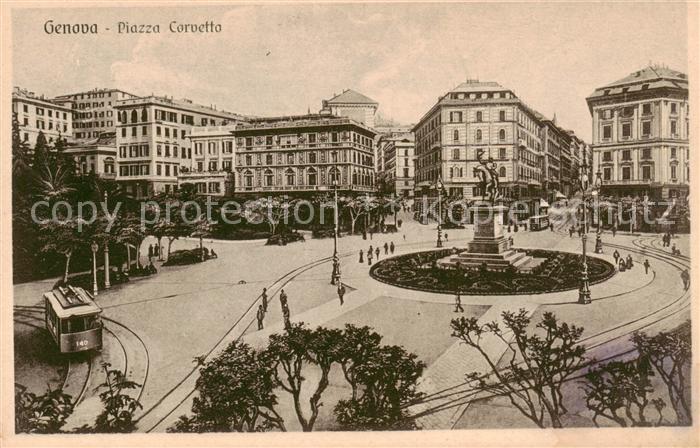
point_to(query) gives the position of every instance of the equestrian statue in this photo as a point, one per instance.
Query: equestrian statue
(488, 176)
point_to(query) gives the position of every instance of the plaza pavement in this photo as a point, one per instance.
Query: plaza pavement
(193, 311)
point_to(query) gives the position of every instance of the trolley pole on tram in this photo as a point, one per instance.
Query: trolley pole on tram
(94, 248)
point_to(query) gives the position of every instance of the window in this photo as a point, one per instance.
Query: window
(502, 171)
(626, 130)
(248, 160)
(501, 153)
(144, 130)
(478, 135)
(213, 166)
(167, 170)
(455, 135)
(673, 172)
(626, 154)
(646, 109)
(479, 116)
(268, 159)
(312, 176)
(133, 131)
(158, 131)
(455, 117)
(646, 128)
(607, 131)
(214, 187)
(646, 172)
(226, 165)
(158, 169)
(674, 153)
(502, 115)
(502, 135)
(646, 153)
(455, 154)
(289, 174)
(674, 128)
(123, 132)
(674, 108)
(607, 173)
(626, 173)
(312, 155)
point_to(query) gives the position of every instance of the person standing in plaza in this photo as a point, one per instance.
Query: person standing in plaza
(458, 303)
(551, 227)
(156, 250)
(404, 237)
(646, 266)
(150, 252)
(263, 296)
(685, 276)
(629, 261)
(571, 232)
(369, 257)
(446, 237)
(362, 260)
(261, 316)
(614, 230)
(341, 293)
(616, 255)
(386, 248)
(392, 248)
(377, 252)
(285, 309)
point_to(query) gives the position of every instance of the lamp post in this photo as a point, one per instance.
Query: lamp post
(107, 284)
(584, 291)
(439, 220)
(335, 275)
(94, 248)
(597, 184)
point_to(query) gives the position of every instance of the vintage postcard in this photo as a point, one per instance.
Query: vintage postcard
(349, 224)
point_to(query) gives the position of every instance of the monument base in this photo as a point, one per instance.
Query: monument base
(489, 246)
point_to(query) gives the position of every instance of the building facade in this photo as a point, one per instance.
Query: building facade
(153, 142)
(303, 154)
(396, 172)
(640, 134)
(97, 156)
(93, 112)
(353, 105)
(479, 119)
(35, 114)
(211, 171)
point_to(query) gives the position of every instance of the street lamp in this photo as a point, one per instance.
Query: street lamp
(94, 248)
(335, 275)
(439, 226)
(596, 185)
(107, 284)
(584, 292)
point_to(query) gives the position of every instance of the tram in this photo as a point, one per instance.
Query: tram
(73, 319)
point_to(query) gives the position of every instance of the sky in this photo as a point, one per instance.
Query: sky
(286, 58)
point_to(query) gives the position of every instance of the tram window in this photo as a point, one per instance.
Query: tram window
(92, 322)
(74, 325)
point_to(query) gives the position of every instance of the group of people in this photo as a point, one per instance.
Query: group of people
(372, 252)
(262, 309)
(666, 239)
(153, 251)
(626, 263)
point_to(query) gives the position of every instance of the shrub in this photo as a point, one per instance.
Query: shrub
(185, 257)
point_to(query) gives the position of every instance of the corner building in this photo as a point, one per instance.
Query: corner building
(640, 134)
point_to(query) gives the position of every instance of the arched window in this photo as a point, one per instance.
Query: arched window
(478, 135)
(502, 134)
(455, 135)
(502, 171)
(312, 157)
(289, 174)
(144, 114)
(312, 176)
(334, 176)
(452, 172)
(269, 178)
(134, 116)
(109, 165)
(248, 178)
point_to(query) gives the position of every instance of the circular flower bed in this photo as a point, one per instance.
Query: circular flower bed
(560, 271)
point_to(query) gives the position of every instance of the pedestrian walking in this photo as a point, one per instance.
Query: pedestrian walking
(571, 232)
(614, 230)
(150, 251)
(362, 253)
(392, 247)
(551, 227)
(404, 237)
(399, 222)
(458, 304)
(629, 262)
(616, 255)
(369, 258)
(285, 309)
(264, 299)
(261, 316)
(371, 234)
(377, 251)
(685, 276)
(386, 248)
(283, 298)
(621, 265)
(446, 237)
(341, 293)
(646, 266)
(156, 250)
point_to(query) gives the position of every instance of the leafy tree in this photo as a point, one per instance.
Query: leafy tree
(622, 387)
(64, 236)
(670, 354)
(271, 211)
(235, 394)
(291, 351)
(357, 207)
(118, 411)
(132, 231)
(202, 227)
(41, 150)
(356, 347)
(44, 414)
(388, 379)
(21, 159)
(537, 367)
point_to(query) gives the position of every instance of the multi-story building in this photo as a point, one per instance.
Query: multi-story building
(38, 114)
(212, 162)
(640, 134)
(97, 156)
(303, 154)
(396, 175)
(353, 105)
(552, 141)
(478, 118)
(153, 143)
(93, 111)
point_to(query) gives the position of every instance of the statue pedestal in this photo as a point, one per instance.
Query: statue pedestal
(490, 246)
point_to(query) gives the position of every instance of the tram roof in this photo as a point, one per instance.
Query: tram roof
(69, 301)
